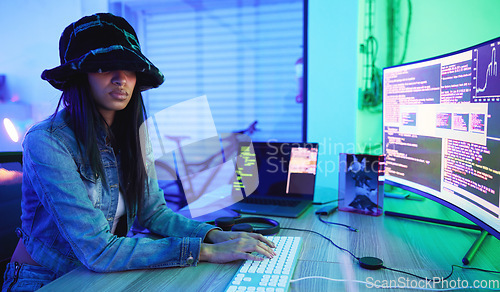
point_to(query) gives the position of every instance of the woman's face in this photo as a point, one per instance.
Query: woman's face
(112, 91)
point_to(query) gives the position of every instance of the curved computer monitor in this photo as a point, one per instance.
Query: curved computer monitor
(442, 130)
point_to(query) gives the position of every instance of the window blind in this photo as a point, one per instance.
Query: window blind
(240, 54)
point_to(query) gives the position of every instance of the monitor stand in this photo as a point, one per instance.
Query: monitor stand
(475, 246)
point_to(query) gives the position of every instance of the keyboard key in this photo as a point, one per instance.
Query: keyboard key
(270, 274)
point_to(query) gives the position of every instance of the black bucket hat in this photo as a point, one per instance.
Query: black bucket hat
(99, 43)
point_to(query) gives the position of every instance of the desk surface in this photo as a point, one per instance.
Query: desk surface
(422, 248)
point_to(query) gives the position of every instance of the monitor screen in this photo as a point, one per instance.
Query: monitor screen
(441, 133)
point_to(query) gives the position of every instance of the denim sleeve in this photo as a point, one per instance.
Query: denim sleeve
(50, 167)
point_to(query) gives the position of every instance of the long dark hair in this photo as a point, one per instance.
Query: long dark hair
(86, 122)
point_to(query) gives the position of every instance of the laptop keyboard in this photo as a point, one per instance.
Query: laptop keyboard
(269, 201)
(270, 274)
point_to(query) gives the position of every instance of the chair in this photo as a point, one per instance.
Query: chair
(10, 205)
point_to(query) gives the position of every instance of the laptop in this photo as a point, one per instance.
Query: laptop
(286, 178)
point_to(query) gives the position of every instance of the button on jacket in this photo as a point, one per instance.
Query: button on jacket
(68, 212)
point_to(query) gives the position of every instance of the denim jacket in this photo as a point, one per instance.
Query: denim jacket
(67, 212)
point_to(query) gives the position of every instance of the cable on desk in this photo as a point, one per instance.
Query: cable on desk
(373, 285)
(391, 269)
(420, 277)
(331, 241)
(445, 278)
(335, 223)
(476, 269)
(470, 268)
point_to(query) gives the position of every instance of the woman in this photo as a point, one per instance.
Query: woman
(85, 178)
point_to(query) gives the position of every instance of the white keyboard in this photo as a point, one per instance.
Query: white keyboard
(269, 275)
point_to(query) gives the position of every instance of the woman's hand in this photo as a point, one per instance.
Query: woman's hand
(229, 246)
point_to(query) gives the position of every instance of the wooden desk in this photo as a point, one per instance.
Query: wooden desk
(422, 248)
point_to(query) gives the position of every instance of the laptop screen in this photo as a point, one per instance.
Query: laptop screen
(284, 169)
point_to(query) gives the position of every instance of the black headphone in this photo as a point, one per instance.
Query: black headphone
(245, 224)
